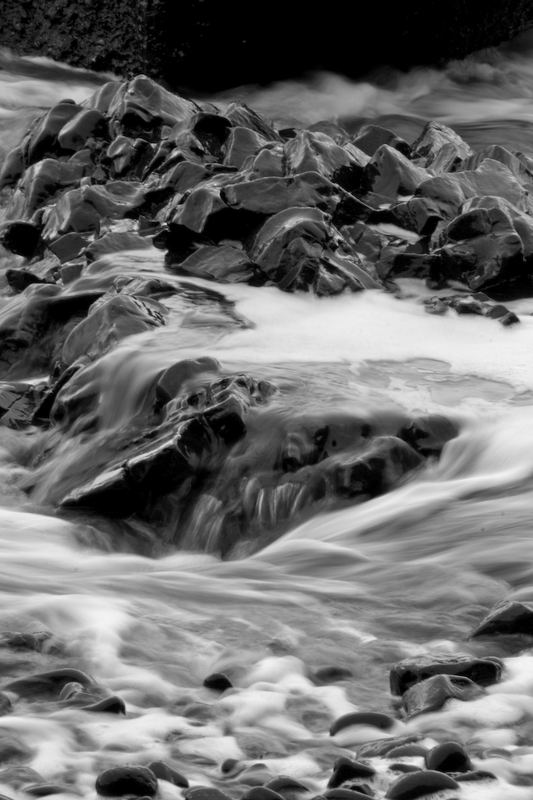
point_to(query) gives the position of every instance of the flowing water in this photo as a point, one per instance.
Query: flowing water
(407, 573)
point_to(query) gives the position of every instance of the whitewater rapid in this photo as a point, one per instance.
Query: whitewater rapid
(362, 587)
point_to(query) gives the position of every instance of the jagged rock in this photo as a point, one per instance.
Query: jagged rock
(243, 116)
(18, 402)
(432, 693)
(115, 200)
(112, 243)
(43, 137)
(268, 163)
(71, 213)
(298, 249)
(317, 152)
(241, 145)
(441, 149)
(271, 195)
(408, 673)
(119, 781)
(389, 174)
(420, 784)
(522, 223)
(108, 323)
(376, 470)
(517, 163)
(509, 617)
(477, 303)
(212, 131)
(448, 757)
(372, 137)
(41, 182)
(74, 134)
(129, 157)
(68, 247)
(418, 214)
(223, 263)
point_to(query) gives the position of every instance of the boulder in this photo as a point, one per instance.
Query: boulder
(509, 617)
(223, 263)
(483, 671)
(390, 175)
(441, 149)
(40, 184)
(242, 144)
(86, 123)
(448, 757)
(432, 693)
(312, 151)
(271, 195)
(42, 140)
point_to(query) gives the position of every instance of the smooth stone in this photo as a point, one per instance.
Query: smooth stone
(165, 772)
(441, 148)
(346, 769)
(112, 243)
(285, 785)
(508, 617)
(484, 671)
(204, 793)
(74, 134)
(372, 137)
(261, 793)
(428, 435)
(391, 175)
(448, 757)
(48, 683)
(367, 718)
(420, 784)
(108, 705)
(218, 682)
(68, 247)
(20, 237)
(407, 751)
(127, 780)
(475, 775)
(46, 789)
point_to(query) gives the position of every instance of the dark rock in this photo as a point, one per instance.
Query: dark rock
(345, 794)
(47, 683)
(242, 144)
(223, 263)
(20, 279)
(18, 402)
(381, 747)
(68, 247)
(477, 303)
(508, 617)
(40, 184)
(390, 174)
(428, 435)
(483, 671)
(26, 641)
(173, 380)
(241, 115)
(375, 470)
(317, 152)
(204, 793)
(74, 134)
(475, 775)
(440, 148)
(372, 719)
(218, 682)
(268, 196)
(45, 789)
(432, 693)
(332, 674)
(43, 137)
(286, 786)
(112, 243)
(419, 784)
(165, 772)
(229, 765)
(71, 213)
(299, 249)
(109, 323)
(448, 757)
(345, 769)
(108, 705)
(20, 237)
(372, 137)
(400, 766)
(12, 167)
(419, 214)
(129, 157)
(261, 793)
(407, 750)
(118, 781)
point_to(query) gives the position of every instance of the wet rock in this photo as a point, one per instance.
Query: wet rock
(172, 380)
(441, 149)
(420, 784)
(418, 214)
(43, 137)
(12, 167)
(390, 174)
(108, 705)
(268, 163)
(40, 184)
(165, 772)
(242, 144)
(299, 249)
(478, 303)
(47, 684)
(115, 200)
(118, 781)
(432, 693)
(508, 617)
(381, 747)
(372, 137)
(68, 247)
(261, 793)
(332, 674)
(375, 470)
(74, 134)
(517, 163)
(11, 749)
(71, 213)
(115, 242)
(204, 793)
(18, 776)
(109, 323)
(218, 682)
(345, 794)
(428, 435)
(20, 237)
(286, 786)
(407, 751)
(317, 152)
(36, 641)
(229, 765)
(129, 157)
(400, 766)
(45, 789)
(222, 263)
(346, 769)
(483, 671)
(448, 757)
(18, 402)
(20, 279)
(245, 117)
(372, 719)
(268, 196)
(475, 775)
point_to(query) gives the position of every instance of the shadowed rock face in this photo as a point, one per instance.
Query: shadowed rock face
(200, 44)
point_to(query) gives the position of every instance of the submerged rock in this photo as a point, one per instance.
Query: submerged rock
(483, 671)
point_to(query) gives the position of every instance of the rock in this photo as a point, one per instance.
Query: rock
(43, 137)
(40, 184)
(71, 213)
(165, 772)
(74, 134)
(47, 684)
(6, 706)
(218, 682)
(36, 641)
(420, 784)
(345, 794)
(517, 163)
(110, 322)
(108, 705)
(173, 379)
(432, 693)
(118, 781)
(317, 152)
(204, 793)
(20, 237)
(325, 675)
(18, 402)
(241, 115)
(298, 249)
(261, 793)
(381, 747)
(419, 214)
(372, 719)
(129, 157)
(68, 247)
(375, 470)
(448, 757)
(477, 303)
(428, 435)
(345, 769)
(223, 263)
(286, 786)
(390, 174)
(12, 167)
(112, 243)
(268, 196)
(242, 144)
(45, 789)
(508, 617)
(441, 149)
(475, 775)
(11, 749)
(229, 765)
(115, 200)
(483, 671)
(20, 279)
(407, 751)
(372, 137)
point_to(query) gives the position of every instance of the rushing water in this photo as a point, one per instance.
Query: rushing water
(410, 572)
